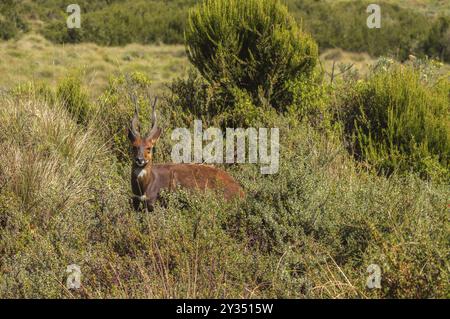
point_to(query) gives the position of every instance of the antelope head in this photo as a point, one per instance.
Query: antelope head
(142, 146)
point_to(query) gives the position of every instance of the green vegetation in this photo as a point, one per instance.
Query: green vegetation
(74, 99)
(343, 25)
(11, 21)
(253, 45)
(309, 231)
(437, 43)
(400, 122)
(124, 22)
(406, 29)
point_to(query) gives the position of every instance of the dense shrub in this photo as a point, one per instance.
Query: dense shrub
(11, 20)
(124, 22)
(332, 24)
(399, 122)
(193, 98)
(324, 213)
(73, 96)
(311, 99)
(437, 43)
(252, 45)
(309, 231)
(342, 24)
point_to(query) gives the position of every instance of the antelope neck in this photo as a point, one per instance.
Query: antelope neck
(144, 176)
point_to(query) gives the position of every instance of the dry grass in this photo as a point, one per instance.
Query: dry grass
(359, 62)
(44, 153)
(32, 58)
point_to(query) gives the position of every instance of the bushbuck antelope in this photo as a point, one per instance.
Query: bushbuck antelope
(147, 180)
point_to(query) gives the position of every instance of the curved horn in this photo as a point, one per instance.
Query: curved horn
(134, 129)
(154, 124)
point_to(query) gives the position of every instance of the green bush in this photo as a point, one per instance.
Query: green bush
(331, 220)
(11, 20)
(124, 22)
(399, 122)
(56, 184)
(194, 98)
(252, 45)
(437, 43)
(73, 96)
(342, 24)
(311, 99)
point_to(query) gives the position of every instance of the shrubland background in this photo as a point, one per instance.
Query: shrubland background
(364, 132)
(421, 27)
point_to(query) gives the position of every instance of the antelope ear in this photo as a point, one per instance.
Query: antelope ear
(154, 135)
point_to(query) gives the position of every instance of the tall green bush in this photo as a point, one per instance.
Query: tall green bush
(253, 45)
(194, 98)
(399, 122)
(74, 98)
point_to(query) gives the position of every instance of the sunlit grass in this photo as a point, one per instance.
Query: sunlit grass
(32, 58)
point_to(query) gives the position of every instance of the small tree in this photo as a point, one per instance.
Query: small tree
(253, 45)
